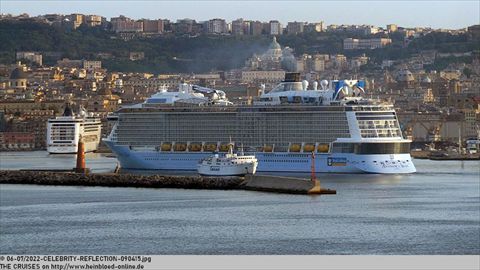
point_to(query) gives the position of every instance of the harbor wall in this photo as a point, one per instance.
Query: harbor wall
(265, 183)
(278, 184)
(117, 180)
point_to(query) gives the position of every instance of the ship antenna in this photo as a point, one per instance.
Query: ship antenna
(230, 146)
(313, 177)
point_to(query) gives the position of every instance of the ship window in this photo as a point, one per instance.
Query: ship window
(371, 148)
(382, 148)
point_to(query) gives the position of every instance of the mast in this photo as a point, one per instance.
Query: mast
(313, 177)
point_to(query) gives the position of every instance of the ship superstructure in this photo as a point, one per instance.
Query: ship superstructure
(64, 132)
(347, 132)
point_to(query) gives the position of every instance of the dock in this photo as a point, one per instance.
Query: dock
(262, 183)
(82, 176)
(290, 185)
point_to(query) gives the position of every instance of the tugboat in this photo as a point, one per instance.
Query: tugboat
(229, 165)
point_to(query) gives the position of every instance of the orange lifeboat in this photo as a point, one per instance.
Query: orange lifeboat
(195, 147)
(308, 147)
(224, 147)
(166, 147)
(179, 147)
(295, 147)
(210, 147)
(323, 148)
(267, 148)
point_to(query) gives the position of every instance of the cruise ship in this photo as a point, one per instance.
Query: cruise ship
(64, 132)
(348, 132)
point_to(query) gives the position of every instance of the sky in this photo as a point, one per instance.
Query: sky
(407, 13)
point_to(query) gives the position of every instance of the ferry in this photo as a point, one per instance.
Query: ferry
(230, 165)
(63, 132)
(348, 132)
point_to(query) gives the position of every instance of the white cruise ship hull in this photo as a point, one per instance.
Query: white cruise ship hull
(145, 159)
(232, 170)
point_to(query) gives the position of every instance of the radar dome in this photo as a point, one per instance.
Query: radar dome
(304, 85)
(324, 84)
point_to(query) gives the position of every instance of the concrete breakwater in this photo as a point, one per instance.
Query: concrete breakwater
(256, 183)
(117, 180)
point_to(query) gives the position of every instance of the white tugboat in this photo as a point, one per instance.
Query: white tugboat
(229, 165)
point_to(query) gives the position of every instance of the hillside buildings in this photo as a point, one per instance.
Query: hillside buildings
(365, 44)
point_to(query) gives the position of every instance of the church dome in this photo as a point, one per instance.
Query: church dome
(405, 75)
(274, 45)
(274, 52)
(18, 74)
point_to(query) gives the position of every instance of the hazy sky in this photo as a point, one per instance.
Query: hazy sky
(407, 13)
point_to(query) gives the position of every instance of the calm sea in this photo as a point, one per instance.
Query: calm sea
(434, 211)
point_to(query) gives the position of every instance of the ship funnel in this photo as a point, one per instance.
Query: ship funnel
(304, 85)
(315, 85)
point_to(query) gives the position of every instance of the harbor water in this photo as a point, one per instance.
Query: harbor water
(434, 211)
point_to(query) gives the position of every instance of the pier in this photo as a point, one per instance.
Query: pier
(290, 185)
(275, 184)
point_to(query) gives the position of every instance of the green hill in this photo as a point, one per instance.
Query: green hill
(204, 53)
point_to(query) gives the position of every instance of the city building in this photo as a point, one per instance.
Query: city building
(256, 76)
(186, 26)
(92, 64)
(314, 27)
(153, 26)
(93, 20)
(217, 26)
(124, 24)
(75, 20)
(294, 28)
(17, 141)
(392, 28)
(25, 106)
(275, 28)
(239, 27)
(33, 57)
(365, 44)
(256, 28)
(68, 63)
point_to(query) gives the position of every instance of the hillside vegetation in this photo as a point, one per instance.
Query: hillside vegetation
(191, 54)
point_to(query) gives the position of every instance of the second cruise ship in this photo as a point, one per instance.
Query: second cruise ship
(64, 132)
(348, 132)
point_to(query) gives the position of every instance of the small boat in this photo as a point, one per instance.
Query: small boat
(229, 165)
